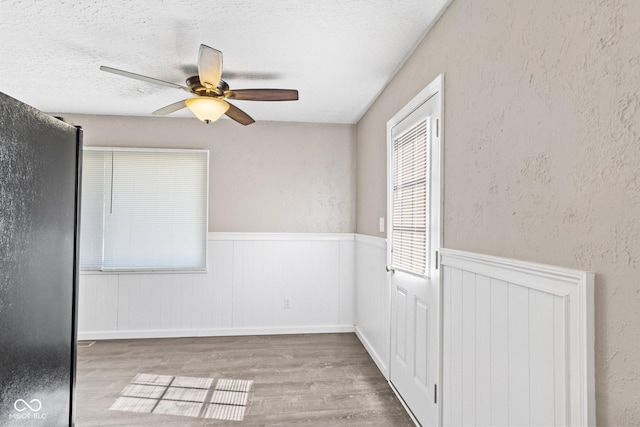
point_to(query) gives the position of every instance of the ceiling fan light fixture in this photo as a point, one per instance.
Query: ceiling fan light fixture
(206, 108)
(210, 91)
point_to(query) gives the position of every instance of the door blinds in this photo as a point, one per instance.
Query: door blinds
(410, 200)
(144, 209)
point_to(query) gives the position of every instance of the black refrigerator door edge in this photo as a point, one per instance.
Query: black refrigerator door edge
(76, 278)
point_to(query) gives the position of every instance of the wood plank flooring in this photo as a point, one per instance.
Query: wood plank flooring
(309, 380)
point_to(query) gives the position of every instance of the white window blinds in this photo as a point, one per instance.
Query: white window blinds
(410, 200)
(144, 209)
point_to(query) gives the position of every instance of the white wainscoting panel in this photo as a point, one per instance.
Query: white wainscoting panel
(372, 296)
(249, 275)
(518, 343)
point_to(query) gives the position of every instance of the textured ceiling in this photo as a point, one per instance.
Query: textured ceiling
(339, 54)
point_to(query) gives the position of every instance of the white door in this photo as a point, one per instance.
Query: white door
(414, 239)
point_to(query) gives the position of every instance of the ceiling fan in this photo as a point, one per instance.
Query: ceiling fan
(210, 102)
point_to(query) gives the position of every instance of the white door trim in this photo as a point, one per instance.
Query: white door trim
(433, 88)
(436, 86)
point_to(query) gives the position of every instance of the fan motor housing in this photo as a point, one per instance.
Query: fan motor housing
(196, 87)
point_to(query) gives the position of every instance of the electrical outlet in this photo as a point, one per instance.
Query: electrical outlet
(287, 303)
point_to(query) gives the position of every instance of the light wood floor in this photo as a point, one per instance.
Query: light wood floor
(310, 380)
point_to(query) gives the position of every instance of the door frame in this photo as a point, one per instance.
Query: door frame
(436, 86)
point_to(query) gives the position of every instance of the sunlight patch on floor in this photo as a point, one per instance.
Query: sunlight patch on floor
(185, 396)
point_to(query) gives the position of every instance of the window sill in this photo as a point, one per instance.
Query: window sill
(142, 271)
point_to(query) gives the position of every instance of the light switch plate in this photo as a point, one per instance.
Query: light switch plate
(382, 224)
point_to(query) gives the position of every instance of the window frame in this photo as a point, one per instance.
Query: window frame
(155, 270)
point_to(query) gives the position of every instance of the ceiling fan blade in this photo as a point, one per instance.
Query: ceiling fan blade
(209, 66)
(263, 94)
(143, 78)
(250, 75)
(170, 108)
(238, 115)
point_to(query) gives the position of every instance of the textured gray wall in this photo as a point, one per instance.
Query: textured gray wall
(266, 177)
(541, 153)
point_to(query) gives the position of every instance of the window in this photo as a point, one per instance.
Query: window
(144, 209)
(410, 200)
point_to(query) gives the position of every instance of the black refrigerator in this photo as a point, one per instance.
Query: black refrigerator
(40, 162)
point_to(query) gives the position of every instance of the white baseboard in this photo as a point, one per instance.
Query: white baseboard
(179, 333)
(374, 355)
